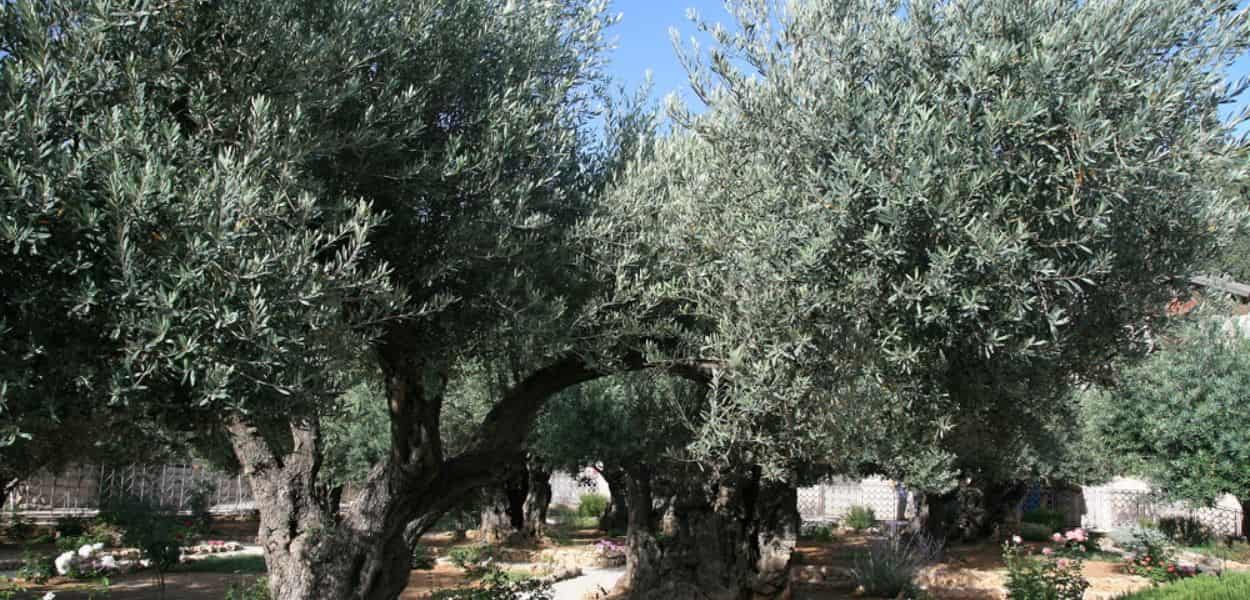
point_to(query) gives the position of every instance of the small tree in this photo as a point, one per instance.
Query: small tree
(1179, 418)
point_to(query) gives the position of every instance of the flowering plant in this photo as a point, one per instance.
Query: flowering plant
(610, 553)
(1030, 577)
(609, 548)
(1152, 558)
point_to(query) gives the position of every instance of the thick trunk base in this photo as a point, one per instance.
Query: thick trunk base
(732, 540)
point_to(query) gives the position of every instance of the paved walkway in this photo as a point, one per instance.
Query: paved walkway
(594, 580)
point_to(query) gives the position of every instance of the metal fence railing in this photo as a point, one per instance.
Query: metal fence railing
(83, 488)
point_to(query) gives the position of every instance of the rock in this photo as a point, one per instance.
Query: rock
(108, 562)
(64, 562)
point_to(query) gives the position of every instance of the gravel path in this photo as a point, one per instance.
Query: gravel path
(593, 580)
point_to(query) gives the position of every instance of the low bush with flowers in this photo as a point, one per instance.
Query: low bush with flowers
(609, 553)
(1151, 556)
(1073, 543)
(1045, 575)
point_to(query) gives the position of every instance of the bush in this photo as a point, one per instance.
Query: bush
(476, 560)
(422, 558)
(156, 532)
(498, 590)
(258, 590)
(36, 568)
(200, 501)
(888, 569)
(860, 518)
(1052, 519)
(592, 505)
(1042, 578)
(817, 532)
(1035, 532)
(1186, 531)
(1234, 586)
(1151, 556)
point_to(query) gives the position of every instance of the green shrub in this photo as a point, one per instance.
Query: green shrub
(239, 563)
(422, 558)
(36, 568)
(1234, 586)
(156, 532)
(1041, 578)
(888, 569)
(17, 527)
(817, 532)
(257, 590)
(200, 501)
(860, 518)
(476, 560)
(498, 590)
(1186, 531)
(1036, 532)
(592, 505)
(1052, 519)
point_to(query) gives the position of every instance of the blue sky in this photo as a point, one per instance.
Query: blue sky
(643, 43)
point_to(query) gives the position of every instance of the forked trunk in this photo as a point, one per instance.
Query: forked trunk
(537, 500)
(733, 539)
(616, 516)
(315, 552)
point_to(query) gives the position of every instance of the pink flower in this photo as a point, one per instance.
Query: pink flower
(1058, 537)
(1076, 535)
(1047, 551)
(1063, 563)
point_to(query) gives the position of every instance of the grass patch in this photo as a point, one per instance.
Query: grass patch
(1229, 587)
(239, 563)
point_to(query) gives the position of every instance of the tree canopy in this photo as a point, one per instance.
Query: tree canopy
(1179, 418)
(911, 230)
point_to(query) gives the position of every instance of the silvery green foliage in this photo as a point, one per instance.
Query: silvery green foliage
(904, 229)
(1179, 417)
(228, 199)
(192, 261)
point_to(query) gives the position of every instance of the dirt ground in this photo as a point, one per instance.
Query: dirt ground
(969, 572)
(821, 572)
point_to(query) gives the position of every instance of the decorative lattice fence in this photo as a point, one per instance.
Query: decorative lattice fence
(82, 488)
(1105, 508)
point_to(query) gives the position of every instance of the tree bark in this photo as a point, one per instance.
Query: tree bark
(616, 515)
(642, 554)
(1001, 501)
(537, 500)
(1245, 515)
(733, 540)
(940, 515)
(363, 553)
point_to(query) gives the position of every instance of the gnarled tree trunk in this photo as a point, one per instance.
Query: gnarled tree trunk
(537, 500)
(503, 508)
(315, 552)
(733, 540)
(616, 515)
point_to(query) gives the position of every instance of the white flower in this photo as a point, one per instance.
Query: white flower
(64, 562)
(49, 596)
(1016, 539)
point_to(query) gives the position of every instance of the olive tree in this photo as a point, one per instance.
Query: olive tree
(219, 209)
(1179, 418)
(900, 226)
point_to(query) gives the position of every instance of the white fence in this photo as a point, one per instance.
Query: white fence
(78, 490)
(1126, 502)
